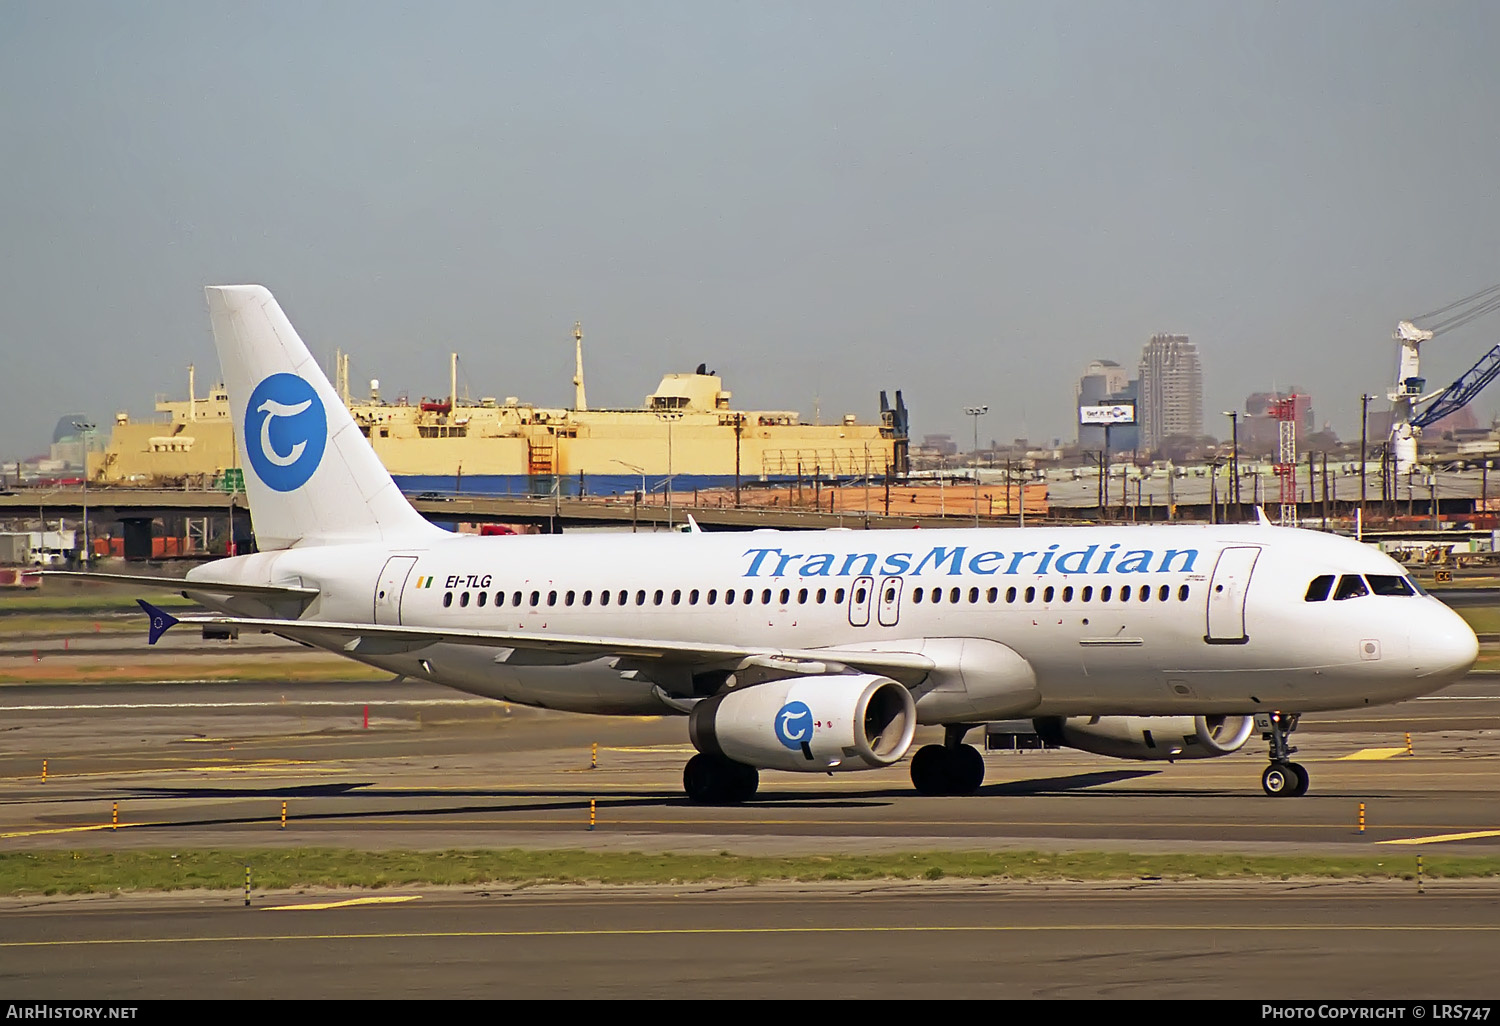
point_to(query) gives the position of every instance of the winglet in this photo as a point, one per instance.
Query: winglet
(1261, 518)
(161, 621)
(693, 525)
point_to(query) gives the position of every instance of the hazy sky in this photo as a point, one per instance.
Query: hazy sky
(967, 201)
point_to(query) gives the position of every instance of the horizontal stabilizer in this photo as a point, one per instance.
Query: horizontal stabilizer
(161, 620)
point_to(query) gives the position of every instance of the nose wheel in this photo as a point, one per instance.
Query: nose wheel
(1283, 778)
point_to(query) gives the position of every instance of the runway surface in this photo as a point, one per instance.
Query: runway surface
(886, 941)
(208, 766)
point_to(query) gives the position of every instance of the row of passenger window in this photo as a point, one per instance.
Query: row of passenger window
(803, 596)
(659, 597)
(1353, 586)
(1049, 593)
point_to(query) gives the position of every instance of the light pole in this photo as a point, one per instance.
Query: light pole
(669, 416)
(976, 412)
(1364, 422)
(1234, 461)
(87, 428)
(639, 495)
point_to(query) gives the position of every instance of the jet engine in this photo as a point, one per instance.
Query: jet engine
(808, 724)
(1148, 737)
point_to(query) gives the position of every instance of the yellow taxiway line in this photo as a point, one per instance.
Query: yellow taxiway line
(388, 899)
(1439, 838)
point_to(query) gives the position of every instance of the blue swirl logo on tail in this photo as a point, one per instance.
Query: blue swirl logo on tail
(286, 431)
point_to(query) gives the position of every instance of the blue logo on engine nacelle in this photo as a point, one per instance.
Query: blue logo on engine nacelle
(286, 430)
(794, 725)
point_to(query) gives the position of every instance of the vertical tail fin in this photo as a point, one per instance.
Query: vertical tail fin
(311, 477)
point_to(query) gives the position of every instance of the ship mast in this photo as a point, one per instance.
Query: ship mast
(579, 402)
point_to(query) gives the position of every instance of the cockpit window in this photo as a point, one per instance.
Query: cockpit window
(1351, 586)
(1415, 586)
(1317, 591)
(1389, 584)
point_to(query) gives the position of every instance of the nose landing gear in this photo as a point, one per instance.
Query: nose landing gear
(1283, 778)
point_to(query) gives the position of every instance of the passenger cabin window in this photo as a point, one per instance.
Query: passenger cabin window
(1317, 591)
(1350, 586)
(1389, 584)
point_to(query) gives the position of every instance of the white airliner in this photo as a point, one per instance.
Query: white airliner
(816, 651)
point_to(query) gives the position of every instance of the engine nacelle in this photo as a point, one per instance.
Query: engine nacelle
(1148, 737)
(809, 724)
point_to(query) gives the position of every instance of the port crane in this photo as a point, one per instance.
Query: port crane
(1411, 408)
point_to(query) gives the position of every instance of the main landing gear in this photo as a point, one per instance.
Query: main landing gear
(715, 780)
(949, 768)
(1283, 778)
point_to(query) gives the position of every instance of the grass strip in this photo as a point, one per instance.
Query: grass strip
(85, 872)
(68, 671)
(87, 603)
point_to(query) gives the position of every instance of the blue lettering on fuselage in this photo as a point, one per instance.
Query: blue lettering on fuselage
(947, 561)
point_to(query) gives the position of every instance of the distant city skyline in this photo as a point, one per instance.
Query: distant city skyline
(964, 201)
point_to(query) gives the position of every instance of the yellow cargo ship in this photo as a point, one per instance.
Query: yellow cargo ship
(686, 429)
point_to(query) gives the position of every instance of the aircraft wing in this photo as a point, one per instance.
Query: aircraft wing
(182, 584)
(382, 639)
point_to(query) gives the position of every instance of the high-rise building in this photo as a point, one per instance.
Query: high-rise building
(1171, 388)
(1105, 383)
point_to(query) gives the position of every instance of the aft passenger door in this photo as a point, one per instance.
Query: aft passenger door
(1226, 595)
(390, 586)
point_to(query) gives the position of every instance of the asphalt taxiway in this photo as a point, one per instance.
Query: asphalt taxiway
(1258, 941)
(382, 765)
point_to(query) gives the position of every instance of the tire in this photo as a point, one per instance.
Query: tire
(746, 782)
(1302, 779)
(930, 771)
(702, 779)
(1280, 780)
(965, 770)
(714, 780)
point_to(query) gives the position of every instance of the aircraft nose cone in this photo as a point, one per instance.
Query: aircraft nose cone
(1444, 647)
